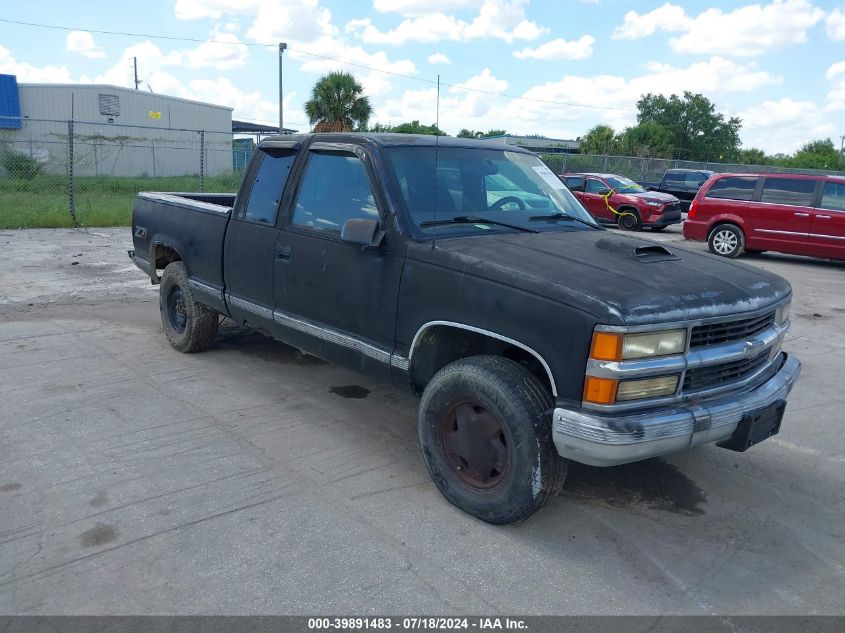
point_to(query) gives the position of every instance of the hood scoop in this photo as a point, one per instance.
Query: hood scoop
(645, 252)
(654, 253)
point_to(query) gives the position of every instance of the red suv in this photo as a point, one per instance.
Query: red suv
(788, 213)
(637, 207)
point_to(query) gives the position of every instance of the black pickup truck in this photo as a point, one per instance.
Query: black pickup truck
(472, 277)
(681, 183)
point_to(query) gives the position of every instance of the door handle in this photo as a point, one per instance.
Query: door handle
(283, 252)
(823, 217)
(803, 215)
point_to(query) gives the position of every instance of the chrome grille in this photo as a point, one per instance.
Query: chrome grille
(715, 375)
(725, 332)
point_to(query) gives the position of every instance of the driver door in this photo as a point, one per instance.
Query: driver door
(595, 202)
(334, 298)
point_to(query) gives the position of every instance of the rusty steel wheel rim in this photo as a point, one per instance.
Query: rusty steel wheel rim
(476, 444)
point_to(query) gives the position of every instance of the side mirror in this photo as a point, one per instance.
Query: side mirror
(362, 231)
(603, 192)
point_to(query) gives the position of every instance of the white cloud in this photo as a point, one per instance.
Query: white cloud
(669, 17)
(836, 25)
(501, 19)
(420, 7)
(29, 73)
(559, 48)
(747, 31)
(224, 53)
(783, 125)
(197, 9)
(83, 42)
(438, 58)
(835, 69)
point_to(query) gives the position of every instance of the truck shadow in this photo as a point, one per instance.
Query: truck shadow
(232, 337)
(653, 483)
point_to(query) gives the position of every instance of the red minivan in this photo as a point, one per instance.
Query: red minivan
(787, 213)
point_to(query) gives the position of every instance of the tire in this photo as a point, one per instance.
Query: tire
(189, 326)
(629, 220)
(726, 240)
(519, 469)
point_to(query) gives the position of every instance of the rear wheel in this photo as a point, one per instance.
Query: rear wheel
(188, 325)
(726, 240)
(629, 220)
(485, 431)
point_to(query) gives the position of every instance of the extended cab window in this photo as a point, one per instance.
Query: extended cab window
(267, 187)
(674, 177)
(335, 189)
(792, 191)
(733, 188)
(695, 179)
(833, 196)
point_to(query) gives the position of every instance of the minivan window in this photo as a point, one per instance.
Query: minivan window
(796, 192)
(733, 188)
(833, 196)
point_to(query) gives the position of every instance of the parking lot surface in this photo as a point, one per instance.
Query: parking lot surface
(251, 479)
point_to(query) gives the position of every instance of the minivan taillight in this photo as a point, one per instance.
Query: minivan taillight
(692, 209)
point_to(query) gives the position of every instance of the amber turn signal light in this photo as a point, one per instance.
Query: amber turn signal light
(606, 346)
(599, 390)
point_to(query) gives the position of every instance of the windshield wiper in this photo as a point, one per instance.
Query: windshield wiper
(563, 216)
(471, 219)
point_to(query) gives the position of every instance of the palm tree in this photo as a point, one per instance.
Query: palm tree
(337, 104)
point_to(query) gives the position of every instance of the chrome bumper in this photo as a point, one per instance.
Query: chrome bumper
(608, 440)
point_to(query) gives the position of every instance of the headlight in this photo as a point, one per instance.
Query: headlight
(647, 388)
(615, 346)
(782, 314)
(653, 203)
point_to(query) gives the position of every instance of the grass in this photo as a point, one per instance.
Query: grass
(42, 202)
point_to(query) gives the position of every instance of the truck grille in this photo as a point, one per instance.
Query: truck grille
(715, 375)
(716, 333)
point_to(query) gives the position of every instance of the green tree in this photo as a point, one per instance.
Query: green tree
(338, 104)
(648, 140)
(754, 156)
(415, 127)
(818, 154)
(465, 133)
(601, 139)
(698, 132)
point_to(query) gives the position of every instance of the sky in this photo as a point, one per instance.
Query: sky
(555, 67)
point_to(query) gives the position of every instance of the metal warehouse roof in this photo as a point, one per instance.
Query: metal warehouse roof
(110, 87)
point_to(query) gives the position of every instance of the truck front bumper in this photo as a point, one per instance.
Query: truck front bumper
(608, 440)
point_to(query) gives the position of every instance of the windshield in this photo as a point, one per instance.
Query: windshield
(496, 185)
(624, 185)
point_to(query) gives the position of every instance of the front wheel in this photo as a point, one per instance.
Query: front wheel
(188, 325)
(485, 431)
(629, 220)
(726, 240)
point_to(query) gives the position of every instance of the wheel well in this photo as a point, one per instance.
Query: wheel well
(164, 255)
(716, 225)
(439, 345)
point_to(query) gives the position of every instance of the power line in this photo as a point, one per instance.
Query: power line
(317, 55)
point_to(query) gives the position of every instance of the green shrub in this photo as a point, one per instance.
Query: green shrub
(19, 165)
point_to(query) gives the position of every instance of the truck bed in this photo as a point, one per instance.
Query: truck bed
(193, 224)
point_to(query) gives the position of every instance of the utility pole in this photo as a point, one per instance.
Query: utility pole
(842, 145)
(282, 47)
(137, 81)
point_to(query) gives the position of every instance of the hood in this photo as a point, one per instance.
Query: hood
(650, 195)
(621, 280)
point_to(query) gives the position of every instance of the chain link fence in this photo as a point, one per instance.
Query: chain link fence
(74, 173)
(651, 169)
(57, 173)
